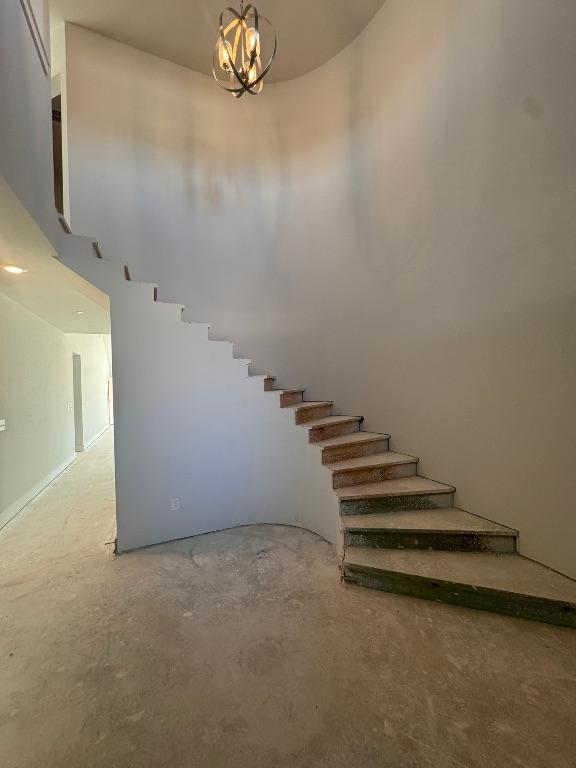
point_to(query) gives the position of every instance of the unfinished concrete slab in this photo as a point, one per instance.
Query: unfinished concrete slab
(243, 649)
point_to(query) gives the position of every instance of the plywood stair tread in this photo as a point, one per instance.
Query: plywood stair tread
(508, 573)
(386, 459)
(404, 486)
(288, 391)
(355, 438)
(447, 520)
(308, 404)
(330, 420)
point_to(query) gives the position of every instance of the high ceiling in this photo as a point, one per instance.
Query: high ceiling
(48, 288)
(309, 32)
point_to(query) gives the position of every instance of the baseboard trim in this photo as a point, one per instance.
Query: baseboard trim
(96, 436)
(7, 515)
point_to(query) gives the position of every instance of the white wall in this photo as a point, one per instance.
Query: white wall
(35, 395)
(36, 401)
(395, 230)
(25, 122)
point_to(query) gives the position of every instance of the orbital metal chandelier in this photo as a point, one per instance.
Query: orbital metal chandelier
(244, 50)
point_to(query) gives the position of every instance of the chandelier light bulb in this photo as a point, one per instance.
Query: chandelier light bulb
(252, 42)
(224, 55)
(244, 50)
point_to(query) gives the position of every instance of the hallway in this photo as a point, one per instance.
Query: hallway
(242, 648)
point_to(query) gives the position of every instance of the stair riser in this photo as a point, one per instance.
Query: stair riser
(372, 475)
(305, 415)
(445, 542)
(480, 598)
(290, 398)
(354, 450)
(268, 385)
(317, 434)
(396, 503)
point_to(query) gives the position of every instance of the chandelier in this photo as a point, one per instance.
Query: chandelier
(244, 50)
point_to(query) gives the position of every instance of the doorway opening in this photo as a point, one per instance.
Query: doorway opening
(78, 415)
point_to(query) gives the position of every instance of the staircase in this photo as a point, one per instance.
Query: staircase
(400, 532)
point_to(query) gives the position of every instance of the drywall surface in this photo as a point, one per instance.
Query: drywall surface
(395, 230)
(35, 397)
(199, 445)
(172, 169)
(36, 402)
(25, 121)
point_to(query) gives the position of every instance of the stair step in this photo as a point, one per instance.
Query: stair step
(405, 493)
(310, 411)
(332, 426)
(290, 396)
(507, 584)
(371, 469)
(265, 378)
(169, 309)
(170, 304)
(350, 446)
(242, 364)
(449, 529)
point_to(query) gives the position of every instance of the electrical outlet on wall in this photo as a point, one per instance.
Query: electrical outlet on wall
(2, 425)
(174, 505)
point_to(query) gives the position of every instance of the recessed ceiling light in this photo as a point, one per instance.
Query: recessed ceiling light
(13, 269)
(79, 312)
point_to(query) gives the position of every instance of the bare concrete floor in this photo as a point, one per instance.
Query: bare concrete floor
(242, 649)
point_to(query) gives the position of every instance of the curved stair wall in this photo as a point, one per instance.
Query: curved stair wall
(192, 425)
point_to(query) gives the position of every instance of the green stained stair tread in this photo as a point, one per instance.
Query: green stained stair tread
(443, 520)
(404, 486)
(509, 573)
(353, 439)
(388, 458)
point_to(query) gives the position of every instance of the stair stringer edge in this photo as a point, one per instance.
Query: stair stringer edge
(190, 424)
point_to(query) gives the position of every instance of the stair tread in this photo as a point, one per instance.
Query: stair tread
(354, 438)
(308, 404)
(288, 391)
(403, 486)
(328, 421)
(387, 458)
(508, 572)
(447, 520)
